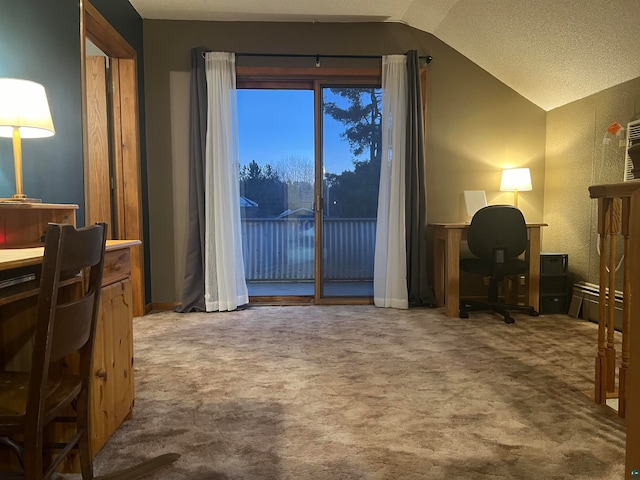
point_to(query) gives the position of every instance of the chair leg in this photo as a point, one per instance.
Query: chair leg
(502, 310)
(493, 304)
(17, 448)
(84, 442)
(33, 462)
(86, 462)
(493, 291)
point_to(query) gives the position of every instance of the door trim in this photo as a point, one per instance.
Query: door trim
(127, 180)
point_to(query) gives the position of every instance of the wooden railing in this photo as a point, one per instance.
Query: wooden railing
(619, 214)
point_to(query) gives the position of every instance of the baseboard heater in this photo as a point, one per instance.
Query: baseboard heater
(584, 303)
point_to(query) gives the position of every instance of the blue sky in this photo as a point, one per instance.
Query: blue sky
(276, 124)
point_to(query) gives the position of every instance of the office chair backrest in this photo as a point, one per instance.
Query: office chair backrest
(497, 227)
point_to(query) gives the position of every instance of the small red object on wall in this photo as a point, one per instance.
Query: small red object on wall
(613, 128)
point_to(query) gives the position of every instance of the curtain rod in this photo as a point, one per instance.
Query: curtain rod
(317, 56)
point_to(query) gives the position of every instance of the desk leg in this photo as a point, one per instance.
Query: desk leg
(439, 260)
(452, 289)
(533, 257)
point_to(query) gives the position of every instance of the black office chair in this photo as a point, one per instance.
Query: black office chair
(497, 237)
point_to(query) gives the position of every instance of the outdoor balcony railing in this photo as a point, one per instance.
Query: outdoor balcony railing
(282, 249)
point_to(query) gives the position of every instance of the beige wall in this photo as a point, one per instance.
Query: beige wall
(576, 159)
(476, 125)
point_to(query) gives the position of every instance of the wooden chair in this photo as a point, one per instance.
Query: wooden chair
(65, 326)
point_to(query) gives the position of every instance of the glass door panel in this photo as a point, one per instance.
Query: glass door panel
(276, 153)
(351, 153)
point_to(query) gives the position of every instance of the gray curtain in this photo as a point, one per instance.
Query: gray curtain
(193, 290)
(419, 289)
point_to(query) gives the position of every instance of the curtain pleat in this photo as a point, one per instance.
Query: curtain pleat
(193, 289)
(390, 267)
(420, 291)
(225, 287)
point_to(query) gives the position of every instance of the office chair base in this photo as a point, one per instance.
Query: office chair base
(501, 308)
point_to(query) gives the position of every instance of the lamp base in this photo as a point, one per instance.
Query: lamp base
(20, 200)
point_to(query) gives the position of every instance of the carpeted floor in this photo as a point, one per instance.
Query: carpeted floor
(357, 392)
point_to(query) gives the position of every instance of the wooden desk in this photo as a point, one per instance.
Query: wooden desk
(112, 390)
(446, 259)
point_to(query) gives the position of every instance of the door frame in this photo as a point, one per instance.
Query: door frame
(126, 180)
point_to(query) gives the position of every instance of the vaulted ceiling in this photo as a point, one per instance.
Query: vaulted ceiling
(550, 51)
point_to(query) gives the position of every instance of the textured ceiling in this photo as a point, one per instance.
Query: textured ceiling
(550, 51)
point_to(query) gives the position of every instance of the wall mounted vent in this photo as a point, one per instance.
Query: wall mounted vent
(633, 136)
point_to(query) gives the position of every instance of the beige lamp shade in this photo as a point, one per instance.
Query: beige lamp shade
(515, 180)
(24, 113)
(24, 105)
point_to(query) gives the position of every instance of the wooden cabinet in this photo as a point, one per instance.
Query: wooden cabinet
(112, 391)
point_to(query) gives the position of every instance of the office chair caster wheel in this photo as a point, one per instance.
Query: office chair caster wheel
(534, 313)
(464, 315)
(509, 320)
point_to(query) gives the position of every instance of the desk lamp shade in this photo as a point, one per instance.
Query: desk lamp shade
(24, 113)
(515, 180)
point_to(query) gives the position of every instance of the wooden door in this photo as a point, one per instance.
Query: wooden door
(99, 205)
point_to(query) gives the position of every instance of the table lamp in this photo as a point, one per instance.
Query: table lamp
(24, 113)
(514, 180)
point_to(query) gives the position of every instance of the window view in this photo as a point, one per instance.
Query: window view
(277, 188)
(351, 166)
(276, 152)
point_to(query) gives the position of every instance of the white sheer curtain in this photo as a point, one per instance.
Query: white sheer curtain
(390, 266)
(224, 283)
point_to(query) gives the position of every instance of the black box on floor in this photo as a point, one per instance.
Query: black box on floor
(553, 263)
(556, 303)
(554, 284)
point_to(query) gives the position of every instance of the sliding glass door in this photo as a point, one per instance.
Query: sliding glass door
(309, 173)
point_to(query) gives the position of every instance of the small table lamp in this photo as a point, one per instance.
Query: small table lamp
(514, 180)
(24, 113)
